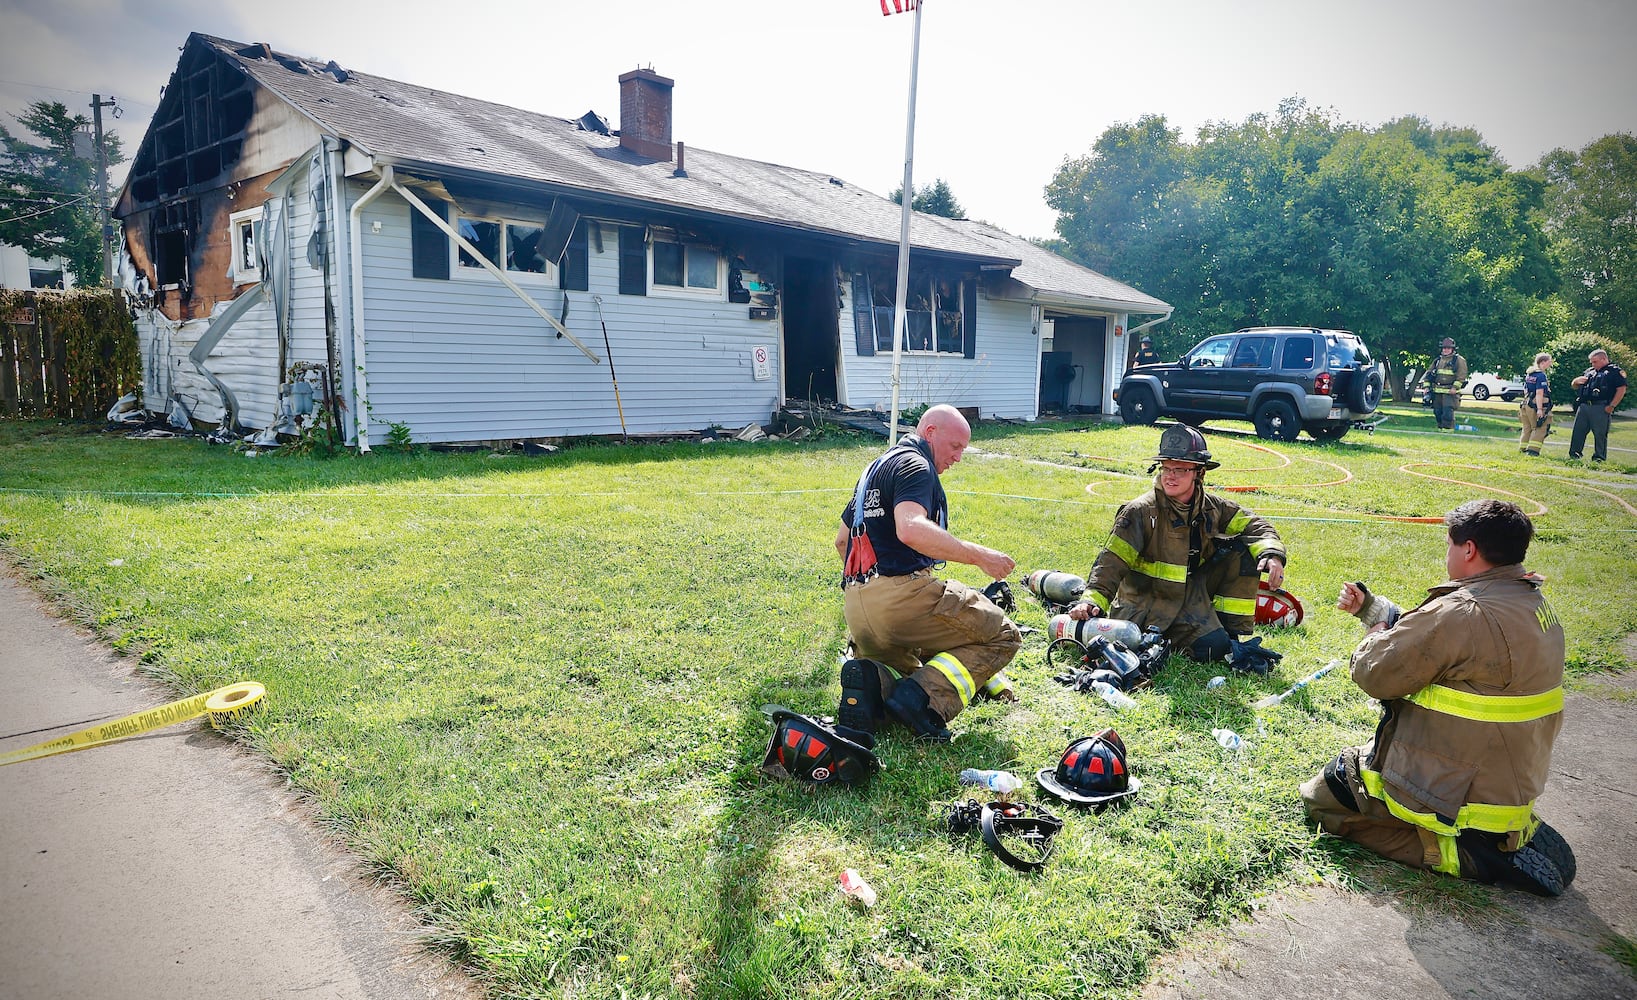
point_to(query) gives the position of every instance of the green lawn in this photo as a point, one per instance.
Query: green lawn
(527, 690)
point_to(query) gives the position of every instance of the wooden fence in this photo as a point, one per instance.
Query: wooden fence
(65, 355)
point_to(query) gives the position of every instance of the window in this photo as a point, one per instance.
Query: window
(245, 226)
(428, 246)
(1253, 352)
(1298, 354)
(512, 245)
(685, 268)
(40, 277)
(1212, 353)
(940, 317)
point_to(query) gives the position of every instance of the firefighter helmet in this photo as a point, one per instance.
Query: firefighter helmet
(808, 750)
(1181, 443)
(1092, 772)
(1277, 607)
(1447, 342)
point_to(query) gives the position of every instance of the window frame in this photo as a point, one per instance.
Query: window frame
(243, 272)
(956, 294)
(469, 272)
(716, 293)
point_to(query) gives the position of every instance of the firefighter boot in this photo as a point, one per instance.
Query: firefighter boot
(909, 704)
(861, 704)
(1526, 868)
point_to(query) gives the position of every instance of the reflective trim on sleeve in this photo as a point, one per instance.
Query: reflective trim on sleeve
(994, 685)
(1489, 708)
(1097, 599)
(1473, 816)
(1124, 549)
(1261, 545)
(1235, 605)
(1237, 523)
(956, 674)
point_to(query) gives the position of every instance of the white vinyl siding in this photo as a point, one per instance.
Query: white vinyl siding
(468, 360)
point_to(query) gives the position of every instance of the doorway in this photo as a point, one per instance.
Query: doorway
(1083, 340)
(812, 334)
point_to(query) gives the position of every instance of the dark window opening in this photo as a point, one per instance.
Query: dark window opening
(171, 257)
(523, 248)
(575, 274)
(940, 316)
(428, 246)
(633, 261)
(39, 277)
(485, 236)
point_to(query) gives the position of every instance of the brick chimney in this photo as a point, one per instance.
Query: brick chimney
(645, 113)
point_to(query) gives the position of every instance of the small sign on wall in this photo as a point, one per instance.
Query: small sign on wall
(760, 364)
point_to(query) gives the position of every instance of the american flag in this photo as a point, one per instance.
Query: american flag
(890, 7)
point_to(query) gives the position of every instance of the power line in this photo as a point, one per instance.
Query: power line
(46, 211)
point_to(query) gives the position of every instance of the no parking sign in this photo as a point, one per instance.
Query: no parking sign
(759, 362)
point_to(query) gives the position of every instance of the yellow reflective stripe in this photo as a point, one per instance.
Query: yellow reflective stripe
(1174, 572)
(956, 675)
(1237, 523)
(994, 685)
(1097, 599)
(1261, 545)
(1234, 605)
(1124, 550)
(1473, 816)
(1489, 707)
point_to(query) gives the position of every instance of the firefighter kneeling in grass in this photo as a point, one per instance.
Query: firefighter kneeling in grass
(924, 647)
(1471, 695)
(1187, 561)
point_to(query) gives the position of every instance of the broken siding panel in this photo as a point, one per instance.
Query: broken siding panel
(307, 335)
(1000, 381)
(465, 359)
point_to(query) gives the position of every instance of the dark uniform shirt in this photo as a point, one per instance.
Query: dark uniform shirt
(1145, 356)
(904, 474)
(1600, 386)
(1535, 382)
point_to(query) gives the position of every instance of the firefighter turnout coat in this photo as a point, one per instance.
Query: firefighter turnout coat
(1471, 689)
(1187, 569)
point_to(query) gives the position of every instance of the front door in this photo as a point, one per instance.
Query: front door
(812, 336)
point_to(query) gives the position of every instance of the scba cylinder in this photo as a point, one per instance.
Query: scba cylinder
(1121, 631)
(1058, 588)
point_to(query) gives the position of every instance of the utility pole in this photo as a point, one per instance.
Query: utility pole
(104, 209)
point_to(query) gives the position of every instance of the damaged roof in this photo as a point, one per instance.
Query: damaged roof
(409, 125)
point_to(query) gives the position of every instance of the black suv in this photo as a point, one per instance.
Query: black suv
(1283, 379)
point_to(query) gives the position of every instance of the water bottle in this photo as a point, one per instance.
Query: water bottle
(1465, 427)
(1058, 588)
(1215, 682)
(1002, 783)
(1117, 699)
(1121, 631)
(1229, 739)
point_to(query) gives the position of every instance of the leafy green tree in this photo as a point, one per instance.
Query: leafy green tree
(1592, 211)
(935, 200)
(48, 191)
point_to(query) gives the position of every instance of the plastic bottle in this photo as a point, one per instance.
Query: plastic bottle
(1229, 739)
(853, 886)
(1121, 631)
(1465, 427)
(1001, 782)
(1215, 682)
(1117, 699)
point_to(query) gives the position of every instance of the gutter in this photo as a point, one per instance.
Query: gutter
(1153, 322)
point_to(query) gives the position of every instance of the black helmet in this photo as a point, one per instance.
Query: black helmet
(1181, 443)
(1146, 339)
(1447, 342)
(808, 750)
(1092, 772)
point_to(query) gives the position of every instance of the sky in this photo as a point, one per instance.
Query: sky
(1006, 91)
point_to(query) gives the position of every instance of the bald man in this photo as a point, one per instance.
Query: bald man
(924, 647)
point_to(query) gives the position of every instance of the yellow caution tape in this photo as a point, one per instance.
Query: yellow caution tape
(223, 705)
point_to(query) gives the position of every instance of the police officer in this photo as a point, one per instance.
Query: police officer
(1598, 395)
(1146, 354)
(1446, 378)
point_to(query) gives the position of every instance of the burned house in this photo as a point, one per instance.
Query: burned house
(305, 239)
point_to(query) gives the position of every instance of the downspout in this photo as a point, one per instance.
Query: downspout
(360, 378)
(1153, 322)
(1108, 390)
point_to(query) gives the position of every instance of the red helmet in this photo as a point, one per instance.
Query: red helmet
(1277, 607)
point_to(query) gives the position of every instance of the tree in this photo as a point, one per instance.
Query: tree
(48, 191)
(1592, 212)
(935, 200)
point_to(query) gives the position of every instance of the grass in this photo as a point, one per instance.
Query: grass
(526, 690)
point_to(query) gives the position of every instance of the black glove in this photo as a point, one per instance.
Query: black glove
(1250, 657)
(1540, 420)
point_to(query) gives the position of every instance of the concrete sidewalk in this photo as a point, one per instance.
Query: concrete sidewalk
(171, 865)
(1365, 946)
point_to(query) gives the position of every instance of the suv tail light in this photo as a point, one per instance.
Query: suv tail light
(1323, 384)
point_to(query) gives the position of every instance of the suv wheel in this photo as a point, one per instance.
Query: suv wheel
(1137, 405)
(1276, 420)
(1480, 392)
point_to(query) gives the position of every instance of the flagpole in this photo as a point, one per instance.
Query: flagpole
(898, 313)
